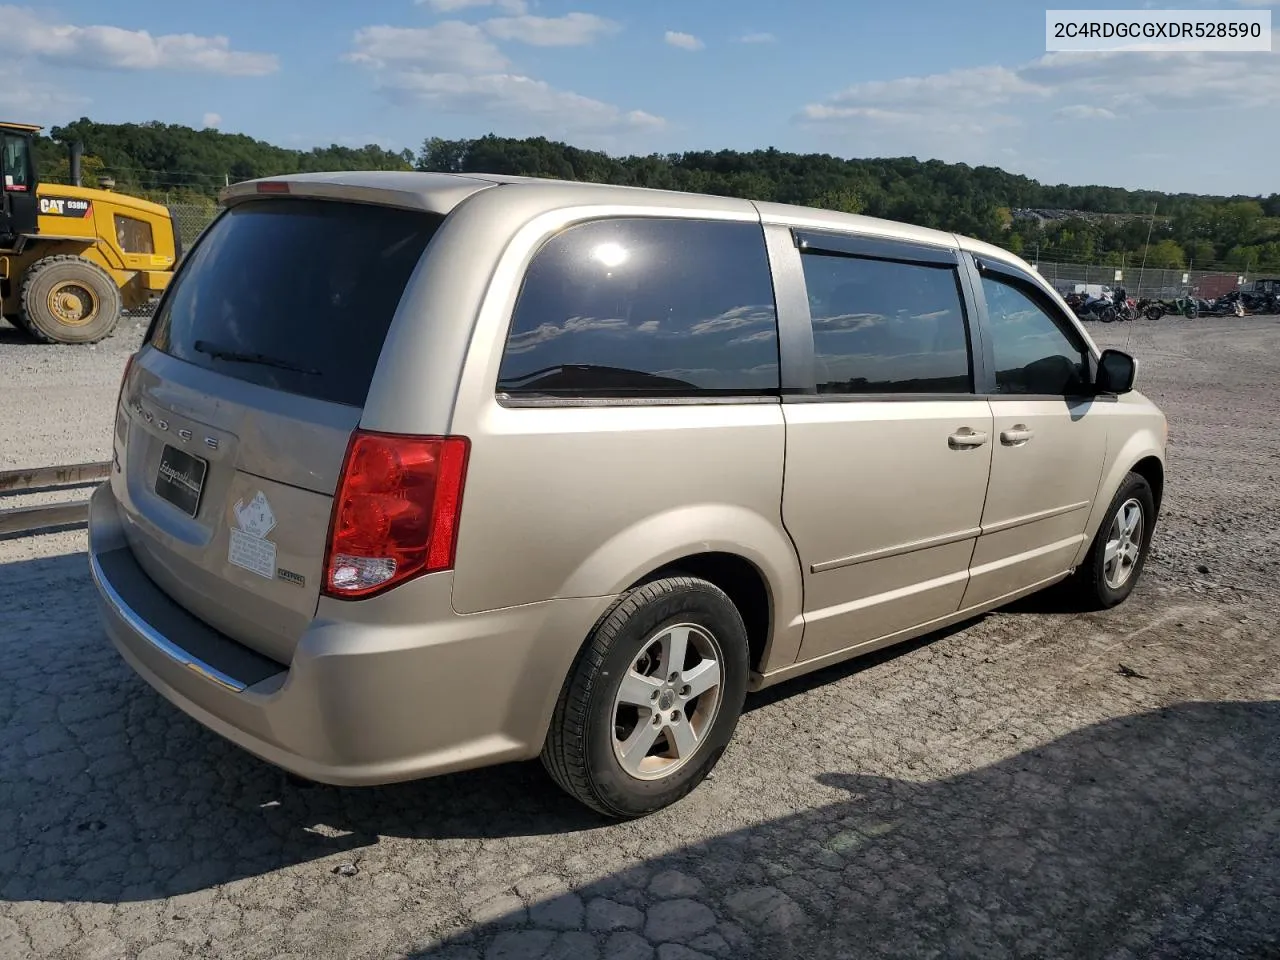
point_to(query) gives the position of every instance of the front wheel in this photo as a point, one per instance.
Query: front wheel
(1108, 315)
(1155, 313)
(652, 700)
(1119, 551)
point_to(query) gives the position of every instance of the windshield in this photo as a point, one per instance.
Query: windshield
(294, 294)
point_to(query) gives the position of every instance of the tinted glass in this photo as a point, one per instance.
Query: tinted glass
(294, 294)
(1032, 353)
(881, 326)
(646, 308)
(14, 163)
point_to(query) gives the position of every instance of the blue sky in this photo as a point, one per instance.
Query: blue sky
(959, 82)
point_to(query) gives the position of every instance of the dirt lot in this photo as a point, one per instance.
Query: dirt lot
(1036, 783)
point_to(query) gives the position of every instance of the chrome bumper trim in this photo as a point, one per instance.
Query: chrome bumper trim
(148, 633)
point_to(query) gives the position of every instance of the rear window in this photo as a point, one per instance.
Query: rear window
(296, 295)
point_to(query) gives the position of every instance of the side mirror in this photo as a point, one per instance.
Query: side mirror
(1116, 372)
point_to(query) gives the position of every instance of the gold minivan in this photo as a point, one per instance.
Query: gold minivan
(421, 472)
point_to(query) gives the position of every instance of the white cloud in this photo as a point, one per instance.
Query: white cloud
(514, 96)
(1156, 82)
(32, 100)
(975, 115)
(757, 38)
(939, 91)
(684, 41)
(452, 6)
(211, 120)
(928, 113)
(457, 68)
(448, 47)
(571, 30)
(1082, 111)
(32, 35)
(1085, 86)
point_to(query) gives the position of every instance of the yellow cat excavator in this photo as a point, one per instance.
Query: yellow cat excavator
(72, 258)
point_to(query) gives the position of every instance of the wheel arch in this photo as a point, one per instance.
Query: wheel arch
(744, 584)
(1142, 453)
(737, 549)
(1151, 469)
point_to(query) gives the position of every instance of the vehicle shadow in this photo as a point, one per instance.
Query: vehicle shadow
(108, 793)
(9, 333)
(1162, 825)
(1156, 835)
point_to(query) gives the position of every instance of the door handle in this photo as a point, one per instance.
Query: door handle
(965, 438)
(1016, 436)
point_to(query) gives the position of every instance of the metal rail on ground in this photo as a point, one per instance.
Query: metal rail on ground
(31, 519)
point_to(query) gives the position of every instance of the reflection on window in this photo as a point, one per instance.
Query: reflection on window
(133, 235)
(646, 307)
(886, 327)
(1032, 353)
(269, 278)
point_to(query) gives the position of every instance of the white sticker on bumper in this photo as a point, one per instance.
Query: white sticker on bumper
(255, 554)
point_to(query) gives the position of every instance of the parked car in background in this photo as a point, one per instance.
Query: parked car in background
(500, 475)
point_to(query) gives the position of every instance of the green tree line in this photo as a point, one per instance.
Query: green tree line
(1112, 225)
(178, 164)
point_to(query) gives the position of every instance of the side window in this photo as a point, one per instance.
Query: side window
(645, 308)
(1033, 355)
(881, 326)
(17, 175)
(134, 236)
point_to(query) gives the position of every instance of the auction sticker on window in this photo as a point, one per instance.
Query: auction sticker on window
(249, 547)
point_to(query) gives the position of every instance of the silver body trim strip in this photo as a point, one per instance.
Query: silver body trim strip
(901, 548)
(1033, 517)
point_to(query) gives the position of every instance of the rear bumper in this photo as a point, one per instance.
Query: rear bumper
(377, 691)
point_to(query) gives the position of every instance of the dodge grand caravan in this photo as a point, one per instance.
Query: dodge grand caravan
(420, 472)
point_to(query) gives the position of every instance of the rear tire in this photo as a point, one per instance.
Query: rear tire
(1118, 554)
(626, 760)
(69, 299)
(1154, 313)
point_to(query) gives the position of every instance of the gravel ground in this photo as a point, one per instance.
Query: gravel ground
(1035, 783)
(58, 400)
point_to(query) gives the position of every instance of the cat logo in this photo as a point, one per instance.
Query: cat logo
(65, 207)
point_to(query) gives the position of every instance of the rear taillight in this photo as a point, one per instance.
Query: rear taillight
(121, 418)
(395, 515)
(124, 378)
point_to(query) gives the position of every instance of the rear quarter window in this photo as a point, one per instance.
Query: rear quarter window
(294, 294)
(637, 307)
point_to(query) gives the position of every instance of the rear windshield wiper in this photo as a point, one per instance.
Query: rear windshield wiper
(236, 356)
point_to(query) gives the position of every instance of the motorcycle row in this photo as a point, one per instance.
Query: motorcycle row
(1119, 306)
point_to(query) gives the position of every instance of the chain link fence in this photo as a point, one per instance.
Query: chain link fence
(1140, 282)
(190, 219)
